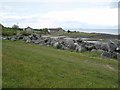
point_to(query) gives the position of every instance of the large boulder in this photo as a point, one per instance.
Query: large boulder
(69, 43)
(105, 47)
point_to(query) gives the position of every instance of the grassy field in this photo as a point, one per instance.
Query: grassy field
(79, 34)
(28, 65)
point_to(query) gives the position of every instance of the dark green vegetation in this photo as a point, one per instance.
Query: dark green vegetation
(13, 31)
(29, 65)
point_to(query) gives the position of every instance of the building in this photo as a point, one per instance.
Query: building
(1, 26)
(55, 30)
(29, 29)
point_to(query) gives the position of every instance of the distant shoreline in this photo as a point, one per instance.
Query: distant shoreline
(102, 31)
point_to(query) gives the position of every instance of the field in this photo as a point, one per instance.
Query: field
(33, 66)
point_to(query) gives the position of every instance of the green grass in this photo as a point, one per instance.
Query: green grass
(11, 31)
(79, 34)
(28, 65)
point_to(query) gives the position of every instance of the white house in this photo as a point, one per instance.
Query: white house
(55, 30)
(29, 29)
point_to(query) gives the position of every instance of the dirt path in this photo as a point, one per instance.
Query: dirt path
(111, 68)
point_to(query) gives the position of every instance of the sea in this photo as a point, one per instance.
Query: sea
(104, 31)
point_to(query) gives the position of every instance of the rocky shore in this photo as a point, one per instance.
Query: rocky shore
(109, 49)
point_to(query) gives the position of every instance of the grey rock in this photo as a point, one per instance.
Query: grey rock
(14, 38)
(106, 55)
(105, 47)
(112, 46)
(93, 50)
(80, 48)
(69, 43)
(57, 45)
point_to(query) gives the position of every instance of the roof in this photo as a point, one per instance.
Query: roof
(1, 25)
(54, 28)
(28, 27)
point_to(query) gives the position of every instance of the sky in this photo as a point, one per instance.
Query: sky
(68, 14)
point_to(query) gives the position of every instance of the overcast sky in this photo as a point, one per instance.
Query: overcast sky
(90, 14)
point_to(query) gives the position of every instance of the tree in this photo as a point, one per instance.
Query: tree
(15, 26)
(68, 31)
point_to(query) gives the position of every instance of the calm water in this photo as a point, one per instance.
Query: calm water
(108, 31)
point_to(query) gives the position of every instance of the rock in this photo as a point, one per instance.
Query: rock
(118, 56)
(57, 45)
(114, 55)
(117, 50)
(78, 40)
(69, 43)
(97, 46)
(64, 47)
(89, 48)
(100, 50)
(112, 46)
(8, 38)
(93, 50)
(34, 36)
(20, 37)
(4, 38)
(105, 47)
(106, 55)
(80, 48)
(28, 40)
(14, 38)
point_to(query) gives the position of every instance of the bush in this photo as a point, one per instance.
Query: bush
(9, 32)
(25, 33)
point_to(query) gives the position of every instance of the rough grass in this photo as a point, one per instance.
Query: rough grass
(33, 66)
(79, 34)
